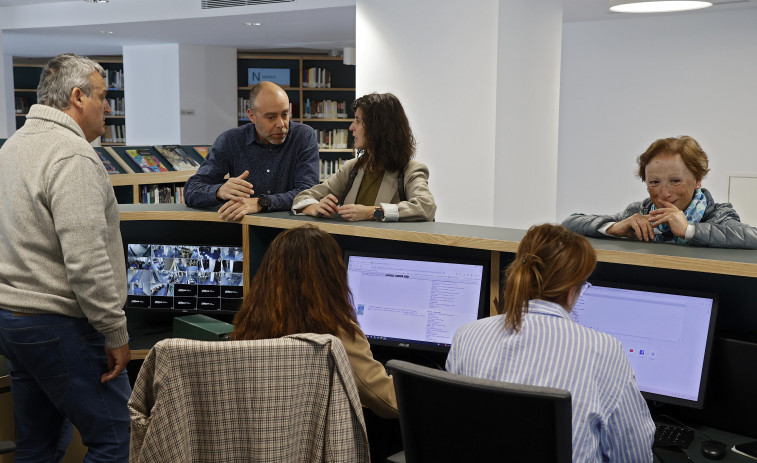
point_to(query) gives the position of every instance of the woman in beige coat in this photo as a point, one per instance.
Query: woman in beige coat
(384, 182)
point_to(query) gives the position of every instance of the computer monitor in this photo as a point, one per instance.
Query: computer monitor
(415, 302)
(184, 278)
(667, 335)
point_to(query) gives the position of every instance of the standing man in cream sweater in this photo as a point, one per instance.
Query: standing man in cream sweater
(62, 272)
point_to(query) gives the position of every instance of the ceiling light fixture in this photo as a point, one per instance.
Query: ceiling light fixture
(253, 24)
(97, 1)
(656, 6)
(106, 32)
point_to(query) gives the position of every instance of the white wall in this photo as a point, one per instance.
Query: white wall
(151, 94)
(439, 58)
(207, 86)
(628, 82)
(7, 98)
(527, 112)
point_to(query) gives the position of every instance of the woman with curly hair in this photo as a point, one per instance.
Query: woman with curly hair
(384, 182)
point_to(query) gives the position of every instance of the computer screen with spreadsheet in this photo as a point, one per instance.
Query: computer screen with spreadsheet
(415, 302)
(667, 335)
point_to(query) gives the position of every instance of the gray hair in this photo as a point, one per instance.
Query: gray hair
(61, 75)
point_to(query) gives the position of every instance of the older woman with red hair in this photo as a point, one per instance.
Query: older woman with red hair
(678, 209)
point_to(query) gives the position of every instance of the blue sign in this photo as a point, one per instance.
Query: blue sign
(278, 76)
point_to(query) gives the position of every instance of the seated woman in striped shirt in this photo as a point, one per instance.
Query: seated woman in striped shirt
(534, 341)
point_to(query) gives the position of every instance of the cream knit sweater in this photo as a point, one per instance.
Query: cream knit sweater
(60, 241)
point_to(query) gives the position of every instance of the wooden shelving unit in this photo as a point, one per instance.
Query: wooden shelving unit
(26, 73)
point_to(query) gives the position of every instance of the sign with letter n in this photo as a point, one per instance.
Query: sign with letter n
(278, 76)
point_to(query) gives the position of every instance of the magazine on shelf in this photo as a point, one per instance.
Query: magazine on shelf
(176, 156)
(111, 166)
(146, 161)
(202, 151)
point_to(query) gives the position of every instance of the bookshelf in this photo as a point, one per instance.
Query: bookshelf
(131, 185)
(331, 127)
(26, 73)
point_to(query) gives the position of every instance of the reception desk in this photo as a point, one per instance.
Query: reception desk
(731, 273)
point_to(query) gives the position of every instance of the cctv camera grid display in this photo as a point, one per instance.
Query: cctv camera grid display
(181, 277)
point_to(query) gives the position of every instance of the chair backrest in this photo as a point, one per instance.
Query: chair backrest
(286, 399)
(449, 417)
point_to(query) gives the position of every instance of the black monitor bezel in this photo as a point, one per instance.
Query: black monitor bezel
(483, 305)
(704, 377)
(173, 310)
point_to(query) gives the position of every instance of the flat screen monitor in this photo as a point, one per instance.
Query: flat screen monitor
(415, 302)
(667, 336)
(186, 278)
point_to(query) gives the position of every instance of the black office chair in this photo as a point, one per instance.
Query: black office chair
(448, 417)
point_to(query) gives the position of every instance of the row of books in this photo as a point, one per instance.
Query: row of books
(114, 78)
(114, 133)
(117, 107)
(243, 104)
(325, 109)
(22, 105)
(316, 78)
(165, 193)
(335, 139)
(327, 167)
(150, 159)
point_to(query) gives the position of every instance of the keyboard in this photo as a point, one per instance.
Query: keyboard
(667, 434)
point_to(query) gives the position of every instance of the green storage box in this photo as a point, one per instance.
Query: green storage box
(202, 328)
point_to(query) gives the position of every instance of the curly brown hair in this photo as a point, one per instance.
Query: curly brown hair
(390, 141)
(300, 287)
(550, 261)
(691, 153)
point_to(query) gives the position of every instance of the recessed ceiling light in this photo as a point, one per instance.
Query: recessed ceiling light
(656, 6)
(253, 24)
(106, 32)
(97, 1)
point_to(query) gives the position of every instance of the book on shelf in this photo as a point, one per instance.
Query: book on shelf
(146, 160)
(111, 166)
(117, 107)
(316, 77)
(114, 78)
(202, 151)
(114, 133)
(162, 194)
(177, 157)
(22, 105)
(325, 109)
(328, 167)
(243, 104)
(332, 139)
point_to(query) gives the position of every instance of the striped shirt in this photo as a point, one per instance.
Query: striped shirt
(611, 421)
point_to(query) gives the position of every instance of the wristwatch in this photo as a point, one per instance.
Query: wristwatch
(378, 214)
(264, 202)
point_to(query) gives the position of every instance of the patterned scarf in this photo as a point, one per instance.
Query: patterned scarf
(693, 213)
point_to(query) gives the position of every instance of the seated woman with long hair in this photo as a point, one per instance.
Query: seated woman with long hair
(301, 287)
(535, 342)
(383, 182)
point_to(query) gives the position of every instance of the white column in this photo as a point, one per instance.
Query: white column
(151, 94)
(7, 100)
(528, 93)
(440, 59)
(207, 92)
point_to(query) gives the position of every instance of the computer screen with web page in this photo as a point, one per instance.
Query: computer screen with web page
(415, 302)
(667, 335)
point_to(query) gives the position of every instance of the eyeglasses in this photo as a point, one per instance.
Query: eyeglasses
(585, 287)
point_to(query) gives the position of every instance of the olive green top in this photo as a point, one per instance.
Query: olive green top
(369, 187)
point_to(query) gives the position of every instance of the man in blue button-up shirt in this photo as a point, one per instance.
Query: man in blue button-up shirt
(268, 161)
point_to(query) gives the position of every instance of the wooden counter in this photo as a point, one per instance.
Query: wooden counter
(659, 255)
